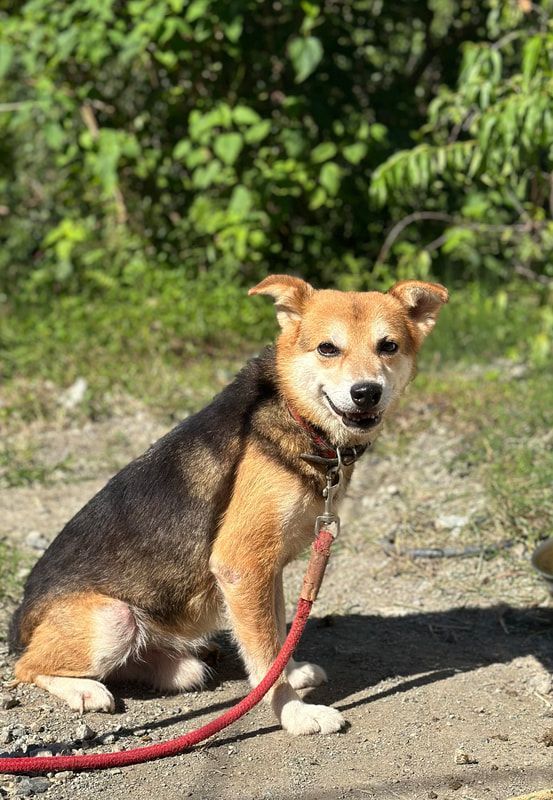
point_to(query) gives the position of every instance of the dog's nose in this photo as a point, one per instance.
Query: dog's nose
(366, 395)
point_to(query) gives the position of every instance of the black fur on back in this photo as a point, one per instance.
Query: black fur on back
(146, 537)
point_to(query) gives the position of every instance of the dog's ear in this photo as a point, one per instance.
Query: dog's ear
(422, 300)
(290, 295)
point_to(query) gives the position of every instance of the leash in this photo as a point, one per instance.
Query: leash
(327, 527)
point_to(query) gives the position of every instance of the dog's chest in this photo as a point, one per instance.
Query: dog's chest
(298, 515)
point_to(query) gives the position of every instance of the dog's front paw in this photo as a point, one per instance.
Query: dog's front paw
(303, 675)
(301, 719)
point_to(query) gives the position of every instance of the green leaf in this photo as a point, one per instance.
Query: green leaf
(6, 55)
(228, 146)
(233, 30)
(258, 132)
(354, 153)
(208, 175)
(182, 149)
(318, 198)
(243, 115)
(530, 57)
(305, 54)
(196, 9)
(241, 200)
(330, 178)
(323, 152)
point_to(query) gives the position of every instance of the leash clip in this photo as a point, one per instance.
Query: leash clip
(329, 520)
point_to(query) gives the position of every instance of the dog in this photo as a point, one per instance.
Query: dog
(192, 536)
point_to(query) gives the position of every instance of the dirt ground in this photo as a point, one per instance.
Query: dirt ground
(441, 666)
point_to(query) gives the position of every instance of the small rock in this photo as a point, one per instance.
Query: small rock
(448, 522)
(64, 775)
(36, 541)
(5, 736)
(139, 732)
(84, 731)
(39, 785)
(432, 795)
(107, 738)
(541, 683)
(18, 731)
(27, 787)
(74, 394)
(392, 489)
(7, 701)
(462, 757)
(42, 752)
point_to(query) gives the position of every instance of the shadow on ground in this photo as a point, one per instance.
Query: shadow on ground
(360, 651)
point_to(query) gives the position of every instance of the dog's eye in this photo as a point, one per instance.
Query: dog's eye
(387, 346)
(328, 349)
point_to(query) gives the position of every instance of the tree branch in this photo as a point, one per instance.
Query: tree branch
(438, 216)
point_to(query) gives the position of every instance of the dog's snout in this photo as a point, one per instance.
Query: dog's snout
(366, 395)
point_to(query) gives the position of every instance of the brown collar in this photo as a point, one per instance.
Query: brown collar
(327, 452)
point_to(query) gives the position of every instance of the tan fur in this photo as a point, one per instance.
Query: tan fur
(62, 643)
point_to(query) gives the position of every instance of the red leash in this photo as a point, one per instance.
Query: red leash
(312, 581)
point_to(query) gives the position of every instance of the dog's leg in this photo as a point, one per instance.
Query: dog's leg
(301, 674)
(245, 558)
(81, 636)
(251, 605)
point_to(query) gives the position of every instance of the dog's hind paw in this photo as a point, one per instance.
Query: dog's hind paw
(302, 719)
(303, 675)
(182, 674)
(80, 694)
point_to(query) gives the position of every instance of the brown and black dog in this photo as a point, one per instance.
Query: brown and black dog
(193, 535)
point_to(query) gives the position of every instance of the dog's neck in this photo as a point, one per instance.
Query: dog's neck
(324, 447)
(326, 452)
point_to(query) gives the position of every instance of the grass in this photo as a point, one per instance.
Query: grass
(12, 560)
(506, 420)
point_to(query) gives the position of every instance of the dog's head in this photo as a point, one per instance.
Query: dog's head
(344, 358)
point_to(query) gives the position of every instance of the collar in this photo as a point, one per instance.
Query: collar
(327, 454)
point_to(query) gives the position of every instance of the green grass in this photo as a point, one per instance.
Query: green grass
(11, 562)
(506, 423)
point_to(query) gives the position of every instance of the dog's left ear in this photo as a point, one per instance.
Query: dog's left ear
(290, 295)
(422, 300)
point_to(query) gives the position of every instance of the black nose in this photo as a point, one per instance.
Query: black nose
(366, 395)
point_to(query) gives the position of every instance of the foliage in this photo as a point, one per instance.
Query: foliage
(483, 169)
(204, 135)
(158, 156)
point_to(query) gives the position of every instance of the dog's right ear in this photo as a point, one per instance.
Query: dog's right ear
(290, 295)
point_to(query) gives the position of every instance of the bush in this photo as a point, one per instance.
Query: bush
(160, 155)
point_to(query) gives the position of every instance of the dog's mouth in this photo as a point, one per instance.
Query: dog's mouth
(360, 420)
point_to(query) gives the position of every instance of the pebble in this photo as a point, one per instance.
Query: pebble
(448, 522)
(64, 775)
(74, 395)
(36, 541)
(541, 683)
(107, 738)
(7, 701)
(5, 735)
(462, 757)
(27, 787)
(84, 731)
